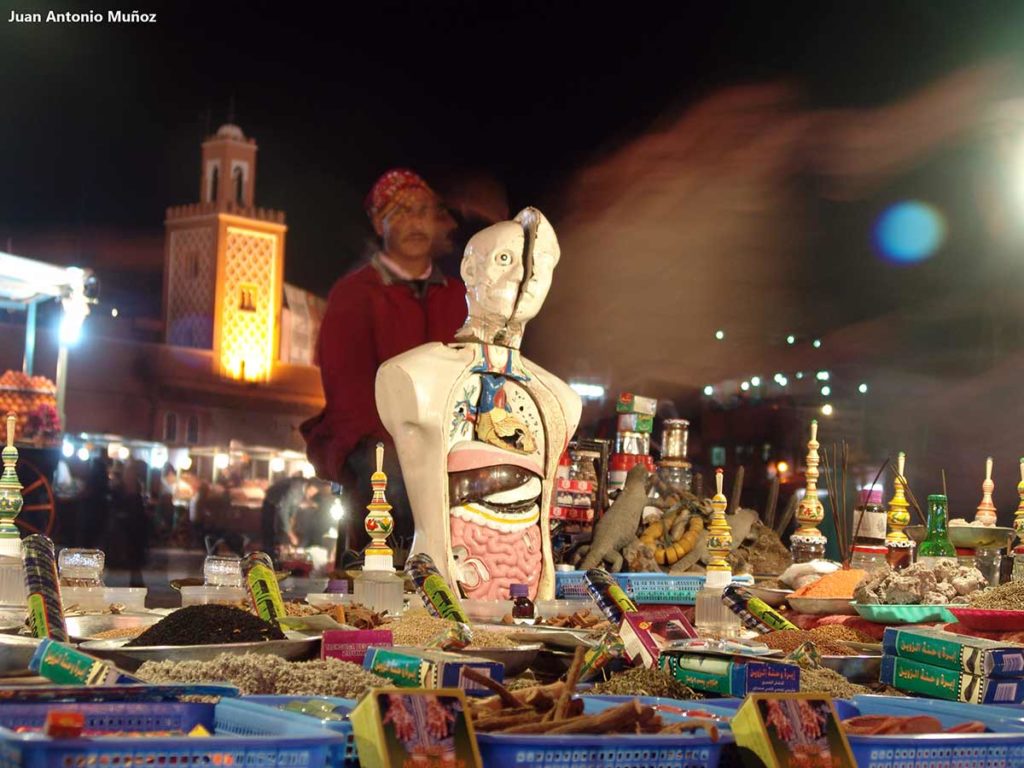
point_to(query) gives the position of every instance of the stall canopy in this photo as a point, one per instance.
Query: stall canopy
(25, 283)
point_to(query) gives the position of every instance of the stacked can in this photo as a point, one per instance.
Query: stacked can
(632, 437)
(45, 611)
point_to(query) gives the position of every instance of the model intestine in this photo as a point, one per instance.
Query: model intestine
(478, 428)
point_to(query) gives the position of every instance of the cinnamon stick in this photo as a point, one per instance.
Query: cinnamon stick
(504, 693)
(625, 715)
(571, 681)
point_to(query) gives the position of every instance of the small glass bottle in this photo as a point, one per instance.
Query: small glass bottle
(81, 567)
(1018, 563)
(900, 554)
(869, 519)
(807, 548)
(989, 560)
(523, 611)
(936, 546)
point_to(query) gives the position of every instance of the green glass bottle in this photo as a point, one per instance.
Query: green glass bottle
(936, 546)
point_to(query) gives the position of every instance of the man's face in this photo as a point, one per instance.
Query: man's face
(410, 228)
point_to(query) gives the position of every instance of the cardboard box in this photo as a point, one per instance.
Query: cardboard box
(398, 728)
(635, 422)
(421, 668)
(630, 403)
(974, 655)
(730, 675)
(351, 644)
(952, 684)
(791, 729)
(574, 514)
(650, 630)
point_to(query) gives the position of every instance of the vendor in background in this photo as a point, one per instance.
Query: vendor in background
(396, 302)
(279, 514)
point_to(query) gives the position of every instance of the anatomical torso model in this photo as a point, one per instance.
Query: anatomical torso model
(479, 429)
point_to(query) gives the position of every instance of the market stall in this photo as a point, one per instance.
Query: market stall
(679, 628)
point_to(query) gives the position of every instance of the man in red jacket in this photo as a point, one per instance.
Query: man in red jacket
(395, 303)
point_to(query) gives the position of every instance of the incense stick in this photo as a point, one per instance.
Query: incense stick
(773, 504)
(944, 485)
(912, 498)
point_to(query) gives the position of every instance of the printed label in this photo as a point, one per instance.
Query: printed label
(265, 592)
(437, 592)
(37, 616)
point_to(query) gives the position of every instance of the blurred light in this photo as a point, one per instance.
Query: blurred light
(114, 450)
(816, 343)
(783, 381)
(70, 329)
(745, 385)
(826, 390)
(863, 389)
(158, 455)
(186, 463)
(720, 334)
(827, 409)
(123, 453)
(588, 391)
(68, 449)
(113, 311)
(308, 470)
(221, 461)
(755, 381)
(83, 454)
(799, 375)
(782, 467)
(821, 375)
(909, 232)
(337, 511)
(791, 339)
(277, 464)
(709, 390)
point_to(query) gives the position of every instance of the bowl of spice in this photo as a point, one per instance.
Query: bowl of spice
(202, 632)
(831, 595)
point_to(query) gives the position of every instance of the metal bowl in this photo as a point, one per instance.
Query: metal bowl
(978, 536)
(296, 648)
(516, 659)
(15, 653)
(856, 669)
(88, 626)
(822, 606)
(916, 532)
(773, 597)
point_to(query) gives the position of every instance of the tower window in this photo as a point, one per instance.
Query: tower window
(238, 181)
(214, 181)
(170, 427)
(247, 297)
(192, 429)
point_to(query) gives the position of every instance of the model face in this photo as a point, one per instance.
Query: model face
(536, 289)
(410, 228)
(492, 268)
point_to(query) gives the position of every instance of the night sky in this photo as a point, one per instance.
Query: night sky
(102, 123)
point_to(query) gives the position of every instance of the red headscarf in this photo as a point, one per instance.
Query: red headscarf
(386, 192)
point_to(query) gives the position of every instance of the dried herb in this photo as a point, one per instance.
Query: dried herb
(208, 625)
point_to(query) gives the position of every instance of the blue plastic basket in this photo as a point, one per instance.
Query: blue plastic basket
(956, 750)
(648, 588)
(340, 755)
(604, 750)
(243, 734)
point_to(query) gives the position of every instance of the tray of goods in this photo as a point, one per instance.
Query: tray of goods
(904, 614)
(885, 731)
(419, 629)
(592, 731)
(233, 733)
(648, 588)
(772, 596)
(110, 626)
(975, 536)
(201, 632)
(822, 606)
(332, 713)
(991, 620)
(255, 674)
(828, 596)
(998, 609)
